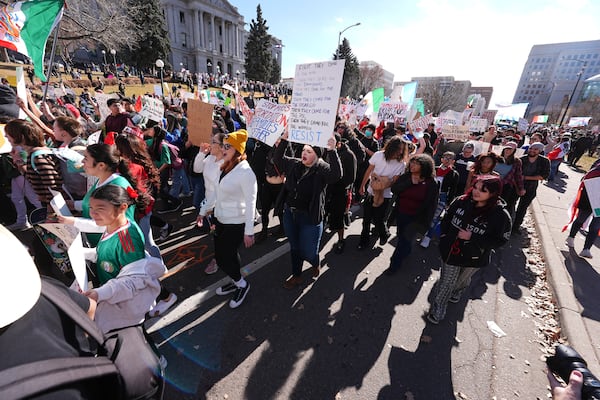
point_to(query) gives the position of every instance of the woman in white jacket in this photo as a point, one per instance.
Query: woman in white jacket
(234, 207)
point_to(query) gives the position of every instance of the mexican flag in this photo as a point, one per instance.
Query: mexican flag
(25, 27)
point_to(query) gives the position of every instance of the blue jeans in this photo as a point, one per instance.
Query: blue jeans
(434, 227)
(304, 238)
(405, 238)
(146, 228)
(199, 190)
(554, 168)
(181, 183)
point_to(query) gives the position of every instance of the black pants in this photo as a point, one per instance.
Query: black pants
(268, 197)
(228, 238)
(375, 214)
(524, 202)
(509, 194)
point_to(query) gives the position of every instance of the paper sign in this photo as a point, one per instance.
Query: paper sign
(101, 99)
(523, 125)
(21, 89)
(422, 122)
(94, 138)
(478, 124)
(152, 108)
(314, 103)
(199, 121)
(490, 115)
(230, 88)
(158, 90)
(593, 190)
(392, 112)
(58, 204)
(269, 121)
(456, 132)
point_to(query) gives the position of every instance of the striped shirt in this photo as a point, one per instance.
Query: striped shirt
(46, 175)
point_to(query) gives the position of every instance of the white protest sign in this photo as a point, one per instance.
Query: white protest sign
(158, 90)
(450, 118)
(315, 101)
(422, 122)
(523, 125)
(392, 112)
(456, 132)
(593, 190)
(269, 121)
(101, 99)
(21, 89)
(152, 108)
(58, 204)
(478, 124)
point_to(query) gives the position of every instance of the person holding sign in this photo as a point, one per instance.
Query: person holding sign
(304, 202)
(582, 208)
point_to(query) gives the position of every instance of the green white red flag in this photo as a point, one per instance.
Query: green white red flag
(25, 27)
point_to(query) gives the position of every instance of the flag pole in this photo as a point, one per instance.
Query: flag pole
(51, 64)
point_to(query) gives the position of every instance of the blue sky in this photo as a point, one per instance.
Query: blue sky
(484, 41)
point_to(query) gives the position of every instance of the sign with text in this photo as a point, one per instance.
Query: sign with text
(422, 122)
(579, 121)
(315, 101)
(451, 118)
(152, 108)
(490, 115)
(269, 121)
(392, 112)
(478, 124)
(199, 121)
(456, 132)
(522, 125)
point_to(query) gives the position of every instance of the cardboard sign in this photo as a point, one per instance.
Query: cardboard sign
(451, 118)
(152, 108)
(422, 122)
(593, 190)
(456, 132)
(199, 121)
(269, 121)
(315, 102)
(392, 112)
(478, 124)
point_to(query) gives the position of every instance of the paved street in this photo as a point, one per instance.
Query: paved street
(353, 333)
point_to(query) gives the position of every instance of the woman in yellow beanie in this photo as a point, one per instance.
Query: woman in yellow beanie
(234, 214)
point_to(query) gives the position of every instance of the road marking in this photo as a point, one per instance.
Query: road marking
(193, 302)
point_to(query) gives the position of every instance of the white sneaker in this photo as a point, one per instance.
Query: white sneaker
(586, 253)
(425, 242)
(163, 305)
(570, 242)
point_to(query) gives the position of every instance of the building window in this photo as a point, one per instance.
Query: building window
(220, 30)
(183, 39)
(181, 17)
(221, 48)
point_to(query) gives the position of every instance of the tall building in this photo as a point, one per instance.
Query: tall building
(551, 74)
(208, 36)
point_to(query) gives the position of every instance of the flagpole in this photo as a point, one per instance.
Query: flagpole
(52, 53)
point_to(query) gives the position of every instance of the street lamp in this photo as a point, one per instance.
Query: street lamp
(579, 74)
(160, 65)
(114, 52)
(337, 51)
(104, 56)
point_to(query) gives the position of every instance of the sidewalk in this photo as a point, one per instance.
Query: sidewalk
(575, 281)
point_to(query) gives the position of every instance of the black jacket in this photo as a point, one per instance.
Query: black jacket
(426, 211)
(348, 160)
(450, 184)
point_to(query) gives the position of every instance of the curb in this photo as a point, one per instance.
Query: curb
(571, 322)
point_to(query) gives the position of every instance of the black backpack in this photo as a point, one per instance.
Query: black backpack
(124, 354)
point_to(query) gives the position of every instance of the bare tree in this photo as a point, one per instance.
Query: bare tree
(440, 95)
(588, 108)
(371, 77)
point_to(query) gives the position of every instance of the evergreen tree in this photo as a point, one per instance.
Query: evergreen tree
(258, 50)
(275, 72)
(351, 81)
(153, 40)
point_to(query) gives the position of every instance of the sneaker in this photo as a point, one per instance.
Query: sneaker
(240, 295)
(171, 208)
(586, 253)
(425, 242)
(570, 242)
(338, 248)
(292, 282)
(19, 226)
(165, 232)
(432, 318)
(212, 267)
(163, 305)
(226, 289)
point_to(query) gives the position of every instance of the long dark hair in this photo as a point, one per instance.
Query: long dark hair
(156, 149)
(134, 149)
(392, 147)
(117, 195)
(426, 163)
(491, 183)
(481, 157)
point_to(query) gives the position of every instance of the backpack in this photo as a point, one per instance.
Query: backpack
(124, 354)
(176, 161)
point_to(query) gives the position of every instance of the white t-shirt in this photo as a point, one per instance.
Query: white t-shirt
(383, 167)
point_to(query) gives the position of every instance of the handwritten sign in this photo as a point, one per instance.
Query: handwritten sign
(392, 112)
(269, 121)
(523, 125)
(242, 106)
(315, 101)
(456, 132)
(478, 124)
(199, 121)
(451, 118)
(152, 108)
(422, 122)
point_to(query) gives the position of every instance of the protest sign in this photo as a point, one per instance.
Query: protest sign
(269, 121)
(315, 101)
(450, 118)
(199, 116)
(422, 122)
(242, 106)
(158, 90)
(101, 99)
(152, 108)
(21, 89)
(523, 125)
(5, 146)
(478, 124)
(490, 115)
(579, 121)
(593, 191)
(456, 132)
(466, 115)
(392, 112)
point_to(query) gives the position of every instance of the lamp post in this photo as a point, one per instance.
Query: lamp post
(579, 75)
(104, 56)
(160, 65)
(337, 51)
(114, 52)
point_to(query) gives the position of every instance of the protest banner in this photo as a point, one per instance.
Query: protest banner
(392, 112)
(593, 191)
(478, 124)
(422, 122)
(101, 99)
(450, 118)
(315, 101)
(152, 108)
(269, 121)
(579, 121)
(456, 132)
(199, 121)
(522, 125)
(490, 115)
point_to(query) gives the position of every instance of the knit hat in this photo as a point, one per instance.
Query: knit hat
(318, 151)
(237, 140)
(536, 145)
